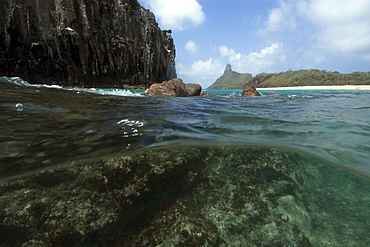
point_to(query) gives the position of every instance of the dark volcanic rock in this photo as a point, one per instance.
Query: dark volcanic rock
(84, 43)
(228, 68)
(175, 88)
(250, 91)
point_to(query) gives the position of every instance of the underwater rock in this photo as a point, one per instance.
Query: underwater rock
(175, 88)
(94, 203)
(251, 91)
(223, 196)
(84, 43)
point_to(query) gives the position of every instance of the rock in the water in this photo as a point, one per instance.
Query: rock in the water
(175, 88)
(251, 91)
(203, 94)
(193, 89)
(84, 43)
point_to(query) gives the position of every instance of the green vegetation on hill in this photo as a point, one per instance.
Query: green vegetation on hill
(311, 77)
(231, 80)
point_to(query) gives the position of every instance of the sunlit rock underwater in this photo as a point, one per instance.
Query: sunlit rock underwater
(84, 167)
(189, 197)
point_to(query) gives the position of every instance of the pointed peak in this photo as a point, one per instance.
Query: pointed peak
(228, 68)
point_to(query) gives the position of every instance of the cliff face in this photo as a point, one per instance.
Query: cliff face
(84, 43)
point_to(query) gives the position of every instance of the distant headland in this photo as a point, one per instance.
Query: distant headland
(298, 78)
(231, 79)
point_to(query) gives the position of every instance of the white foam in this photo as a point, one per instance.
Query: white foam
(48, 86)
(116, 92)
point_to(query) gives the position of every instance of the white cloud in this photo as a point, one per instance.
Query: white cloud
(191, 47)
(177, 14)
(255, 62)
(201, 70)
(343, 26)
(331, 26)
(281, 18)
(227, 52)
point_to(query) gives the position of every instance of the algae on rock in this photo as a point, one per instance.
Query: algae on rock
(223, 196)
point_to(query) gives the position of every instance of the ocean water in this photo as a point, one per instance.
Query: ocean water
(48, 127)
(55, 126)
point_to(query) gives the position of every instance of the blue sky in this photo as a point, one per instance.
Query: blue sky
(257, 36)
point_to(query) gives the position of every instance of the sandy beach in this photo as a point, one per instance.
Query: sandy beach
(346, 87)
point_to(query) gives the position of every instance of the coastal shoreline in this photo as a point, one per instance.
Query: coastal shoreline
(345, 87)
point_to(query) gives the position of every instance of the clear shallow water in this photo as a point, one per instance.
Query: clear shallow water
(225, 192)
(47, 127)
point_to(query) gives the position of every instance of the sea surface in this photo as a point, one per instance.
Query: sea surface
(43, 127)
(47, 126)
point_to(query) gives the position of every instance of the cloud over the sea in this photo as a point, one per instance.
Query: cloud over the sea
(343, 26)
(331, 26)
(176, 14)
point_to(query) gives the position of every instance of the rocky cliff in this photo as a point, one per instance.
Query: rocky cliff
(84, 43)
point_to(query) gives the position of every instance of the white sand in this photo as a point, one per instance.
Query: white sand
(349, 87)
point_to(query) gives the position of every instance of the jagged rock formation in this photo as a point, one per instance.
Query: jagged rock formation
(228, 68)
(231, 79)
(175, 88)
(84, 43)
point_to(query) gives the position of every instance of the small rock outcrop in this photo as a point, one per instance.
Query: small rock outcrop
(175, 88)
(251, 91)
(84, 43)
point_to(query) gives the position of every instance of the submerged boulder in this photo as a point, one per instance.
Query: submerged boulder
(205, 196)
(175, 88)
(251, 91)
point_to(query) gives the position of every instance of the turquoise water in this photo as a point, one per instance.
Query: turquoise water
(39, 122)
(93, 167)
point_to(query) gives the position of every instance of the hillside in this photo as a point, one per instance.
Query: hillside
(311, 77)
(231, 80)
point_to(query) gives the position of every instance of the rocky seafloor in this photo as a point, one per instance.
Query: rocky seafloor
(189, 197)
